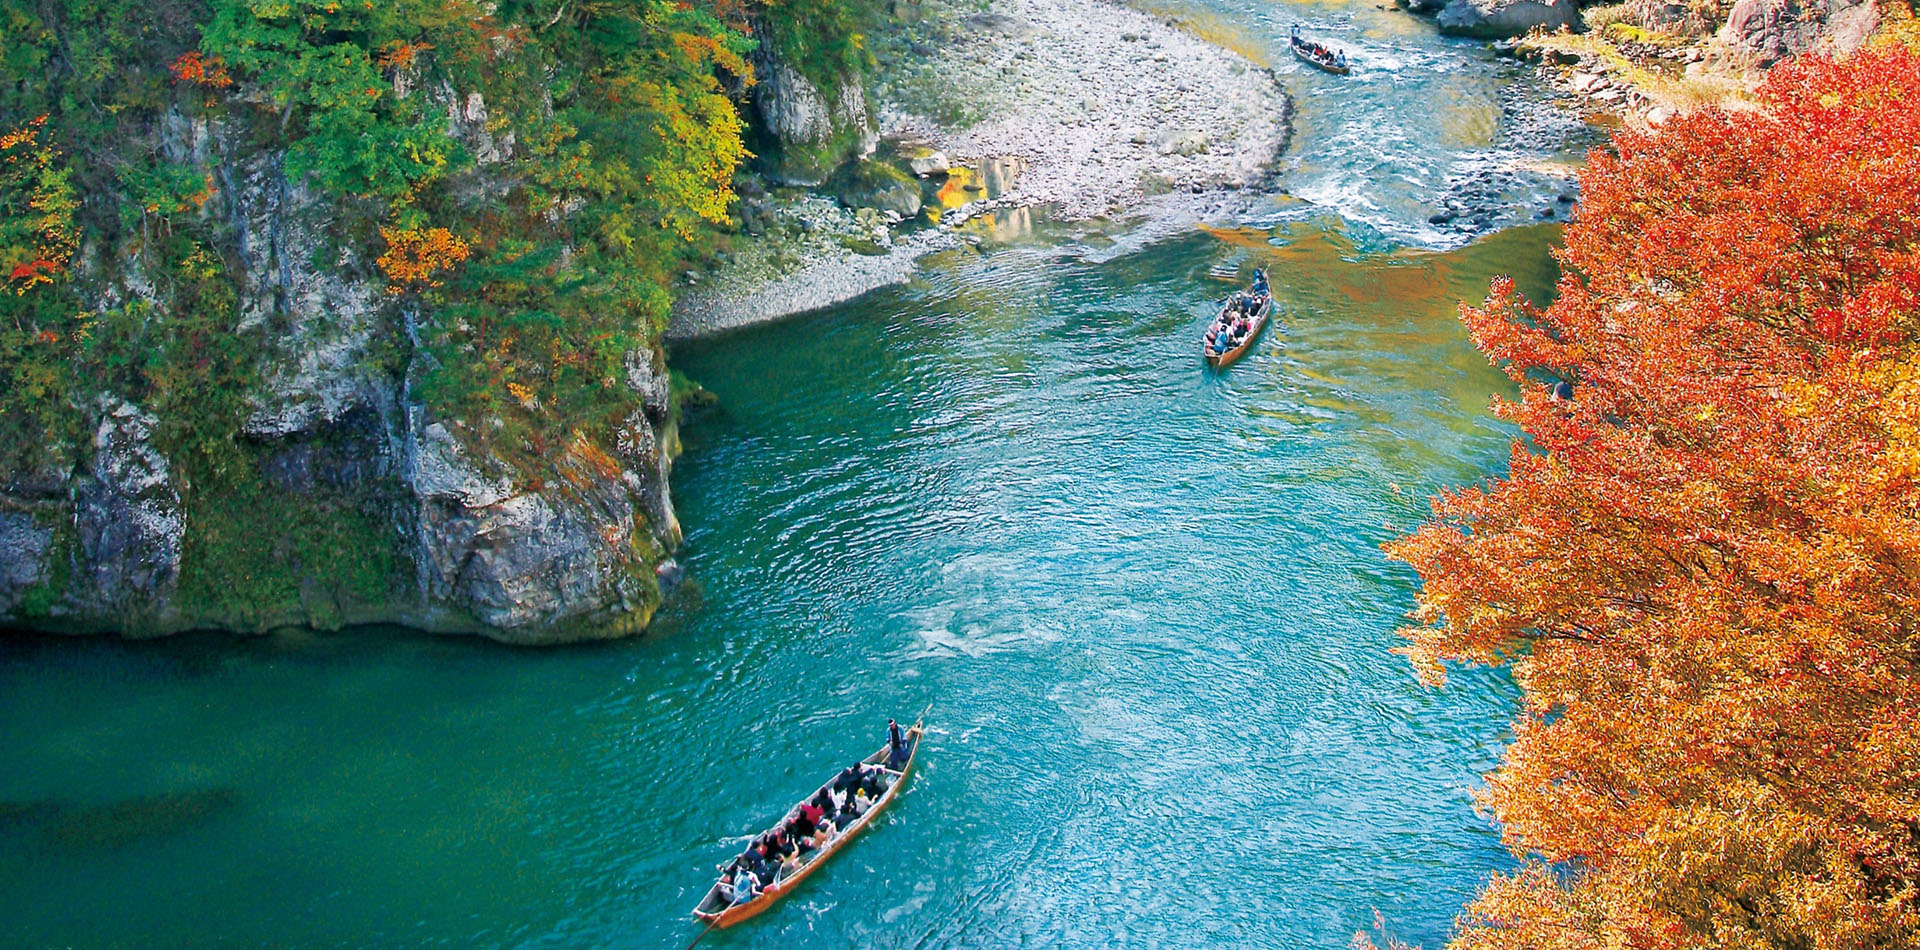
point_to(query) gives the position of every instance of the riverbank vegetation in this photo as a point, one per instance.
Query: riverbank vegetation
(1704, 565)
(481, 205)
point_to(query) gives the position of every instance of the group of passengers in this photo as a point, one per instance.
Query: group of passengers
(1230, 329)
(1317, 51)
(777, 854)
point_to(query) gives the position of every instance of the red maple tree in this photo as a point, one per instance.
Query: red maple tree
(1704, 565)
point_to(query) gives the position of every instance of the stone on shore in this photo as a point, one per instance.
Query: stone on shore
(876, 185)
(928, 162)
(1184, 142)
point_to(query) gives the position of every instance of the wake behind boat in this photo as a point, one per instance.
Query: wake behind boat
(781, 857)
(1317, 55)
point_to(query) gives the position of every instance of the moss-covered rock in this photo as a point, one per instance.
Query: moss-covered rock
(876, 185)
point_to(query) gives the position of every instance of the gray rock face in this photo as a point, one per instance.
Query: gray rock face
(568, 556)
(1494, 19)
(127, 520)
(321, 317)
(529, 563)
(1764, 32)
(24, 547)
(814, 134)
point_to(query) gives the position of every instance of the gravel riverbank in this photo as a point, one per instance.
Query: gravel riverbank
(1082, 108)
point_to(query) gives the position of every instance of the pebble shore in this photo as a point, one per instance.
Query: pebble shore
(1103, 109)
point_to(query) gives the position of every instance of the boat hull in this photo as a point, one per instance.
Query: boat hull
(1220, 360)
(1308, 58)
(736, 913)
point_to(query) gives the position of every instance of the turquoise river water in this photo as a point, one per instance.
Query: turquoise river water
(1145, 601)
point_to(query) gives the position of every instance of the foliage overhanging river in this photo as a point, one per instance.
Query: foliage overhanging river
(1146, 602)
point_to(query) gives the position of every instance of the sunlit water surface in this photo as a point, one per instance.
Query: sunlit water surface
(1424, 121)
(1145, 601)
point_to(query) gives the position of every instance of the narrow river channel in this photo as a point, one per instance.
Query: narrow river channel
(1146, 603)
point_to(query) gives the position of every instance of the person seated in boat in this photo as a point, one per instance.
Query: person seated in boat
(788, 866)
(745, 887)
(813, 811)
(847, 779)
(847, 815)
(823, 833)
(774, 847)
(799, 827)
(896, 746)
(756, 866)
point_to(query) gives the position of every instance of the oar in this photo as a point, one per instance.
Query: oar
(702, 935)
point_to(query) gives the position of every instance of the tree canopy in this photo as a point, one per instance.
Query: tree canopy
(1704, 566)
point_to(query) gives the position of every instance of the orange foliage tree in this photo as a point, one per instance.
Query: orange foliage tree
(1705, 566)
(417, 257)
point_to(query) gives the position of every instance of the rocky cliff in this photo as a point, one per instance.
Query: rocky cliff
(359, 504)
(809, 127)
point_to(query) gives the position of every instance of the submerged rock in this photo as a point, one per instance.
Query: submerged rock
(121, 823)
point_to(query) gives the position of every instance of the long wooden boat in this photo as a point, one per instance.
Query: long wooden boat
(717, 911)
(1303, 54)
(1218, 360)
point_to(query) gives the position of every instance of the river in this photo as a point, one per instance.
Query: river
(1145, 602)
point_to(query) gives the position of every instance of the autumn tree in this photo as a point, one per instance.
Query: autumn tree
(38, 239)
(1704, 564)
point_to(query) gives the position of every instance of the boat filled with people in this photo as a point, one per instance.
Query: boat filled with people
(1238, 324)
(1318, 55)
(778, 859)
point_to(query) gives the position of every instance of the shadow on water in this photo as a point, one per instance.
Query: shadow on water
(67, 825)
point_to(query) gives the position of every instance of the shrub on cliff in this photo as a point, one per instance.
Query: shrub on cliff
(1705, 567)
(612, 147)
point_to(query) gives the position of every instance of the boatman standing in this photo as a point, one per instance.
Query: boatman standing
(897, 745)
(1260, 288)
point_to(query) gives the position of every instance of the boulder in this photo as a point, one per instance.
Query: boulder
(1182, 142)
(1494, 19)
(877, 185)
(927, 162)
(1764, 32)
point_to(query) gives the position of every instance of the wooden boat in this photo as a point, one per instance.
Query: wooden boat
(1219, 360)
(1302, 53)
(718, 911)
